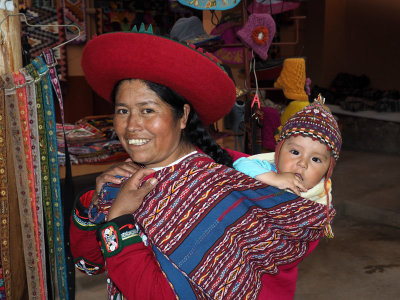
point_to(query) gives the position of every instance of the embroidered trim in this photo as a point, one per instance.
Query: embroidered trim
(115, 236)
(81, 219)
(87, 266)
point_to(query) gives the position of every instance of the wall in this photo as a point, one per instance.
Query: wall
(353, 36)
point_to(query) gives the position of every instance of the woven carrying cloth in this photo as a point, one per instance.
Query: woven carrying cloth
(216, 231)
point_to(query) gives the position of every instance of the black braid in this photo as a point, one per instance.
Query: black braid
(199, 136)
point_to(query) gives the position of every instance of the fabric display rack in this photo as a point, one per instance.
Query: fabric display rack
(35, 259)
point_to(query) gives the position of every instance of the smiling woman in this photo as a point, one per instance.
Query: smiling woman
(176, 209)
(147, 127)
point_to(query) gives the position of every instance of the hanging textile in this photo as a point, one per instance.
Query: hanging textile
(46, 37)
(48, 107)
(75, 13)
(5, 274)
(17, 122)
(45, 175)
(68, 191)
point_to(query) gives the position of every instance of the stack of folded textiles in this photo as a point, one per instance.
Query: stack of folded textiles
(90, 140)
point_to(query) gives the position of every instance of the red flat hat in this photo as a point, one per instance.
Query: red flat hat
(193, 74)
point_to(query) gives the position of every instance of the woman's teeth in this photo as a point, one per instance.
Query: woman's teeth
(137, 142)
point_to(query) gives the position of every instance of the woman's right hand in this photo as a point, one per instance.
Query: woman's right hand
(124, 169)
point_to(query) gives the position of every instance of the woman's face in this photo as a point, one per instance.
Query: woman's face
(307, 158)
(146, 126)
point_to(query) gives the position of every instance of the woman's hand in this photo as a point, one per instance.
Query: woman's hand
(124, 169)
(131, 194)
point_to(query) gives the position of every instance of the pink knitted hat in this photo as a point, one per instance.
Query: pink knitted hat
(258, 33)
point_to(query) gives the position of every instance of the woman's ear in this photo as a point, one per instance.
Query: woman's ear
(184, 119)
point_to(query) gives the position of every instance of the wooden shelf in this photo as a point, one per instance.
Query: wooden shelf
(86, 169)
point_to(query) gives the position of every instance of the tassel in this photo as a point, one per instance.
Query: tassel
(328, 231)
(328, 228)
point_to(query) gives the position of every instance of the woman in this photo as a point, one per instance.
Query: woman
(175, 220)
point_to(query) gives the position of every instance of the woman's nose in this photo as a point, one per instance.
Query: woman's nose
(133, 123)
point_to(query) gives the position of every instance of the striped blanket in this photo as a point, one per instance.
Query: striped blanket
(216, 231)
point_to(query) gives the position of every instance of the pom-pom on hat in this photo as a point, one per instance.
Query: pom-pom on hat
(258, 33)
(192, 73)
(292, 79)
(317, 122)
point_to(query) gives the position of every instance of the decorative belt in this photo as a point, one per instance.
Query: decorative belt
(45, 173)
(5, 289)
(68, 191)
(54, 178)
(18, 125)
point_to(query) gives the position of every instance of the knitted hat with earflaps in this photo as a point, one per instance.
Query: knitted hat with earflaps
(317, 122)
(292, 79)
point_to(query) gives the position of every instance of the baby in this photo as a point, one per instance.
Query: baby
(306, 153)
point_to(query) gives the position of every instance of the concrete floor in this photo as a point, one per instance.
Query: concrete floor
(363, 260)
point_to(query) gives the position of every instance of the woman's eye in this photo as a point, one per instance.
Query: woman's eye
(148, 111)
(122, 111)
(294, 152)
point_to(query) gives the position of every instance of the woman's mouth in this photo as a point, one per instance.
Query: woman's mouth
(138, 142)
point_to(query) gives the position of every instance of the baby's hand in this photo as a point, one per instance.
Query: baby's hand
(283, 181)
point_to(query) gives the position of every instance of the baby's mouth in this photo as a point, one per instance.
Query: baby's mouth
(298, 175)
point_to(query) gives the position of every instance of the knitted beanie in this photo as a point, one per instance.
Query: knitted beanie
(317, 122)
(258, 33)
(292, 79)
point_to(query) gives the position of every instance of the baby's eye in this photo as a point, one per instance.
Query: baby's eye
(294, 152)
(316, 159)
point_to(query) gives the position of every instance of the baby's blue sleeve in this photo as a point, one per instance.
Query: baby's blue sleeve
(253, 167)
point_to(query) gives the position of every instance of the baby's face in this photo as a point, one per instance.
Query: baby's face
(309, 159)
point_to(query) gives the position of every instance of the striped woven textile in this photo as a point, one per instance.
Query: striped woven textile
(216, 231)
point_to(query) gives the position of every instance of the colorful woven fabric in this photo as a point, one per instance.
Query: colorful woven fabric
(26, 202)
(40, 38)
(48, 106)
(45, 173)
(315, 121)
(27, 107)
(75, 13)
(5, 272)
(215, 232)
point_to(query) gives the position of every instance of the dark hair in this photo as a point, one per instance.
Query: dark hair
(194, 131)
